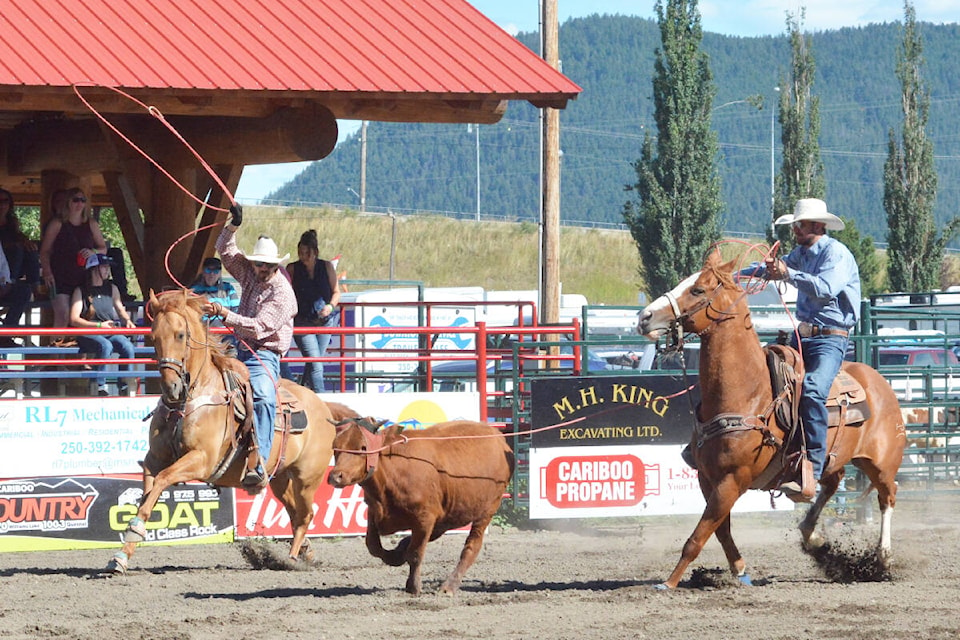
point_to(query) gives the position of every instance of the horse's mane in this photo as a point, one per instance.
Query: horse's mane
(190, 306)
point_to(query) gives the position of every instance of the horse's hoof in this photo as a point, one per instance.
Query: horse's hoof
(661, 587)
(813, 542)
(745, 580)
(885, 556)
(118, 564)
(136, 530)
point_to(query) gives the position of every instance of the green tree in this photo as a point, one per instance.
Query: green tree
(801, 171)
(673, 219)
(865, 253)
(915, 252)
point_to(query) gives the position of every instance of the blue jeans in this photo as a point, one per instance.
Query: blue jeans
(822, 357)
(264, 368)
(15, 300)
(314, 345)
(101, 347)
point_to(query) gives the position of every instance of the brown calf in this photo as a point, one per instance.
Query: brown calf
(426, 481)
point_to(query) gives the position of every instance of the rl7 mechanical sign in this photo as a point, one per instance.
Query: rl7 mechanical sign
(610, 447)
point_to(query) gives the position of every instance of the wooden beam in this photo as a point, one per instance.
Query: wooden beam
(359, 105)
(205, 239)
(127, 208)
(289, 135)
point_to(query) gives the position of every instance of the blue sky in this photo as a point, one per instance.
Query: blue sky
(729, 17)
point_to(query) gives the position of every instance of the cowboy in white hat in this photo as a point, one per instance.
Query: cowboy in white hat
(263, 325)
(827, 279)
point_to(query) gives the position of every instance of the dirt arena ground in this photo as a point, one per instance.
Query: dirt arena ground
(573, 580)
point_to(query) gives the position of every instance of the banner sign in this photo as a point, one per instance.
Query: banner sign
(612, 410)
(93, 512)
(74, 478)
(97, 436)
(337, 512)
(73, 437)
(610, 447)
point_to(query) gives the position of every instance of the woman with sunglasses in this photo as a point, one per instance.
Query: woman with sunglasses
(97, 305)
(71, 237)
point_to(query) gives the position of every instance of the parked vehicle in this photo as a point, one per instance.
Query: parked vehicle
(916, 357)
(911, 369)
(461, 375)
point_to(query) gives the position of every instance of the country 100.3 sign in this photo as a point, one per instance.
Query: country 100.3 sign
(610, 446)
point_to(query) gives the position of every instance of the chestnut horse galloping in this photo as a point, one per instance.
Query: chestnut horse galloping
(734, 381)
(194, 430)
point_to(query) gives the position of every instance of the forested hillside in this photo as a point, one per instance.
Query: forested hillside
(416, 167)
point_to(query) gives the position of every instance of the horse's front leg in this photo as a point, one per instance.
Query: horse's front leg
(720, 501)
(190, 467)
(737, 565)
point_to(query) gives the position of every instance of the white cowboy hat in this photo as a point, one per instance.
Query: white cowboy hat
(812, 209)
(266, 251)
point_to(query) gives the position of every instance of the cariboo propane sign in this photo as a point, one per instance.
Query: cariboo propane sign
(610, 447)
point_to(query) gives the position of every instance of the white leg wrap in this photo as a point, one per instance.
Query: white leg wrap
(136, 530)
(118, 563)
(885, 520)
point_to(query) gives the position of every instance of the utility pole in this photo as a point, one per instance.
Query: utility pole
(363, 166)
(773, 169)
(477, 126)
(550, 213)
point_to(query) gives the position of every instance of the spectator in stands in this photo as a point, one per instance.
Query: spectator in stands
(315, 285)
(211, 285)
(22, 253)
(71, 237)
(97, 305)
(14, 295)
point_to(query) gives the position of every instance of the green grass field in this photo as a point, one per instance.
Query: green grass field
(441, 252)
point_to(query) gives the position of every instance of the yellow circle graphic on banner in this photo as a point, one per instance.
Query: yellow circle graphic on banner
(422, 413)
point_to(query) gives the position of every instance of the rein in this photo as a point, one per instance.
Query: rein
(724, 423)
(176, 410)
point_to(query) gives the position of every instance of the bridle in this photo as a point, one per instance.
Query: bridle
(706, 305)
(178, 365)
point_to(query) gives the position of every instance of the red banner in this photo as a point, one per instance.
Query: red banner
(337, 512)
(593, 481)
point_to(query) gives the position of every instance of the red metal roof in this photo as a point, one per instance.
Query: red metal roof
(443, 47)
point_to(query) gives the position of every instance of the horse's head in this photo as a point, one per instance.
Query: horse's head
(695, 304)
(356, 448)
(179, 337)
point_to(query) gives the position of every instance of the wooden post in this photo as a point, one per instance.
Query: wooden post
(550, 215)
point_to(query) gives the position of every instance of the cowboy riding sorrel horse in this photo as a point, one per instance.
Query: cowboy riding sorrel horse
(196, 431)
(740, 439)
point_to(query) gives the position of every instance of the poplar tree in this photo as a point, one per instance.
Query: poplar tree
(673, 219)
(801, 171)
(915, 252)
(865, 253)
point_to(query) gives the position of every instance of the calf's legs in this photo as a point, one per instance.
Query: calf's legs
(471, 549)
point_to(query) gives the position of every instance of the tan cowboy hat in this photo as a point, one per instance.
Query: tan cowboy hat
(266, 251)
(812, 209)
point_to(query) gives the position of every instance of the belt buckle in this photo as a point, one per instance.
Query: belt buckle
(806, 330)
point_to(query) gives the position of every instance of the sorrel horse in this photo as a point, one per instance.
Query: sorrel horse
(194, 432)
(734, 382)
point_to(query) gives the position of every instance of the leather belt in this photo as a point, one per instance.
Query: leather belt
(807, 330)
